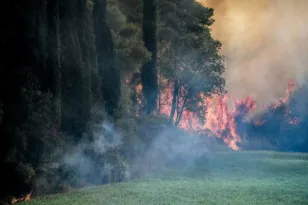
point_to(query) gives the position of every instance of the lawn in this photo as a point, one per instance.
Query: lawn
(224, 178)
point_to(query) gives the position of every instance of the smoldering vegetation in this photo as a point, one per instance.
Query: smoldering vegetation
(102, 160)
(95, 160)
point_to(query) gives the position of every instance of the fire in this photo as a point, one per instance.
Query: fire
(27, 197)
(225, 117)
(219, 119)
(223, 121)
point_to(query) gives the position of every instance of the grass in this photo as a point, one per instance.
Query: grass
(226, 178)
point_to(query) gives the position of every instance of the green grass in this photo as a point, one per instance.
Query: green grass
(225, 178)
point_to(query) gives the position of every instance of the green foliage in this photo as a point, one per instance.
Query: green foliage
(90, 5)
(132, 9)
(116, 166)
(190, 54)
(38, 138)
(44, 142)
(187, 52)
(71, 71)
(130, 50)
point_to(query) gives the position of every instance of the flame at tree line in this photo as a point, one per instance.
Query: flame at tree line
(221, 119)
(27, 197)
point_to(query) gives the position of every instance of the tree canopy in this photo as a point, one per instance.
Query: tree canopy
(69, 81)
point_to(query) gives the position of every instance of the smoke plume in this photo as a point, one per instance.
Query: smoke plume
(264, 43)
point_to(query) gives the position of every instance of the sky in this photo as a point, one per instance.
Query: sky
(265, 43)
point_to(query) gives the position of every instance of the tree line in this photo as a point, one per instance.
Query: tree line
(70, 65)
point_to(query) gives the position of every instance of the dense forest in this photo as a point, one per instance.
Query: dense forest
(68, 85)
(84, 86)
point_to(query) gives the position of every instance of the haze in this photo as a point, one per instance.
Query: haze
(265, 42)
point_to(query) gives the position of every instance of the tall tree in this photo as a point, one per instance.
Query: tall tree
(189, 56)
(72, 72)
(27, 130)
(13, 64)
(110, 74)
(130, 53)
(54, 59)
(149, 69)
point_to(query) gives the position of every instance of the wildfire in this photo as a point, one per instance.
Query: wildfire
(221, 119)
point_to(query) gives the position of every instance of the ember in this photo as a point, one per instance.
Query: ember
(27, 197)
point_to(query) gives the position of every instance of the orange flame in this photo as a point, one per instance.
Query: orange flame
(21, 199)
(220, 120)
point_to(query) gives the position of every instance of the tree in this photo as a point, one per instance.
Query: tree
(66, 80)
(111, 75)
(149, 70)
(188, 54)
(130, 53)
(54, 59)
(132, 9)
(29, 131)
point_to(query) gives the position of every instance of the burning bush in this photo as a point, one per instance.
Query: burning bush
(284, 123)
(281, 125)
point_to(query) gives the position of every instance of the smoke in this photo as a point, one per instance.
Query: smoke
(105, 138)
(88, 158)
(172, 148)
(172, 144)
(265, 43)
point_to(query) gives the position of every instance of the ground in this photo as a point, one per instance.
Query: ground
(233, 178)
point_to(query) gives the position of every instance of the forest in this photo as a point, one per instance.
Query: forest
(98, 91)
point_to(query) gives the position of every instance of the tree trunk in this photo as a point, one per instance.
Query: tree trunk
(86, 43)
(75, 88)
(57, 70)
(179, 116)
(17, 55)
(55, 55)
(174, 100)
(159, 92)
(110, 75)
(149, 69)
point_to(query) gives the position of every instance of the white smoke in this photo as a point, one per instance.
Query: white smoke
(265, 43)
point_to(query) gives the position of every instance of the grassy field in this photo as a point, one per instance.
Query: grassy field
(224, 178)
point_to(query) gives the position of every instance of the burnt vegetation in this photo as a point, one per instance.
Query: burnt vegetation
(83, 87)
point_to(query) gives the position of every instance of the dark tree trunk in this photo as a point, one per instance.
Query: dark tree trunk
(111, 77)
(71, 77)
(75, 75)
(54, 59)
(174, 100)
(86, 43)
(16, 58)
(149, 70)
(179, 115)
